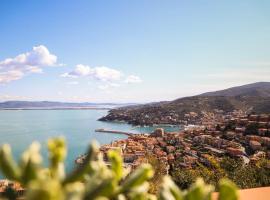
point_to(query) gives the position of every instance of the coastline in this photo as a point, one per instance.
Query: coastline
(64, 108)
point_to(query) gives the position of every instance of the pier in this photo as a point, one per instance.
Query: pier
(102, 130)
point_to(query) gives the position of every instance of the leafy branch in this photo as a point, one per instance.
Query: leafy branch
(94, 179)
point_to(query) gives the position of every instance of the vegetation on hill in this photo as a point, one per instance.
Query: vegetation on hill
(94, 179)
(254, 89)
(244, 175)
(249, 98)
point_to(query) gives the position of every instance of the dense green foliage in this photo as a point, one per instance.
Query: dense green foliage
(94, 179)
(252, 129)
(243, 175)
(160, 169)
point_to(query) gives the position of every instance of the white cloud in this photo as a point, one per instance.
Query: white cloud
(108, 78)
(11, 75)
(107, 74)
(133, 79)
(68, 75)
(30, 62)
(81, 70)
(101, 73)
(108, 86)
(103, 87)
(114, 85)
(34, 69)
(73, 83)
(7, 97)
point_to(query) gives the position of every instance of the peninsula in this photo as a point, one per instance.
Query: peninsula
(249, 98)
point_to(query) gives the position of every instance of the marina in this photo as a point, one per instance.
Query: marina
(102, 130)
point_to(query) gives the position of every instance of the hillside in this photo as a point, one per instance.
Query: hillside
(261, 89)
(250, 98)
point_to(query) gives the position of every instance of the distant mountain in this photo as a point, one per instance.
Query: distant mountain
(253, 97)
(55, 105)
(261, 89)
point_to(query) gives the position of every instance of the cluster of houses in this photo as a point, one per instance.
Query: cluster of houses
(4, 184)
(252, 132)
(150, 116)
(234, 134)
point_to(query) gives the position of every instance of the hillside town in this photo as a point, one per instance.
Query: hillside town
(232, 134)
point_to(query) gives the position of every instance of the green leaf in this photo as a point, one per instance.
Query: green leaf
(199, 191)
(227, 190)
(169, 190)
(100, 187)
(47, 189)
(116, 163)
(57, 150)
(138, 177)
(7, 165)
(74, 191)
(57, 154)
(30, 163)
(86, 167)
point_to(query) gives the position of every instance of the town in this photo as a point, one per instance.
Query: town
(216, 134)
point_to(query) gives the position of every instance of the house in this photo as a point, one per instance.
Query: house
(255, 145)
(234, 151)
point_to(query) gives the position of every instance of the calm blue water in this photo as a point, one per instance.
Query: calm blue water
(20, 127)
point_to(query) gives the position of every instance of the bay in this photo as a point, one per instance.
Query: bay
(20, 128)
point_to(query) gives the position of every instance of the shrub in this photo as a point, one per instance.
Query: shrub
(243, 175)
(94, 179)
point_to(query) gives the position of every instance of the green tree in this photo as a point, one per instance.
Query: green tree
(252, 129)
(160, 169)
(262, 171)
(243, 175)
(211, 174)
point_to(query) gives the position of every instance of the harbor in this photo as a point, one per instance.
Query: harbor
(102, 130)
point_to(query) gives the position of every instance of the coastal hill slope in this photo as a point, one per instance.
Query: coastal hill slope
(261, 89)
(253, 97)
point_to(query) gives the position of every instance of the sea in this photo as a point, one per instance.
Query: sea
(20, 128)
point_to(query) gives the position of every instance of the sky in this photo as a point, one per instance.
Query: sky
(130, 51)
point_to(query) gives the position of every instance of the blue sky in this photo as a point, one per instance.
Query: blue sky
(130, 51)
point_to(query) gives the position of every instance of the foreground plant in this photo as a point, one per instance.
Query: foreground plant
(94, 179)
